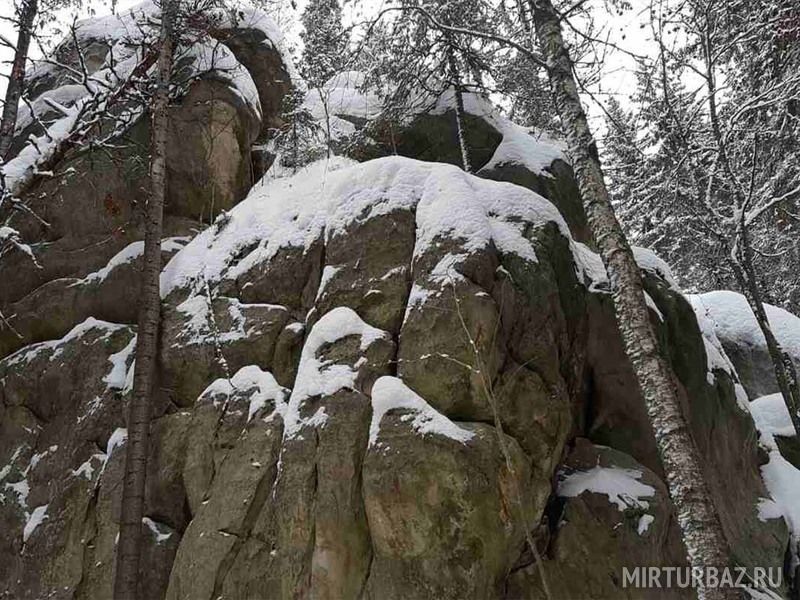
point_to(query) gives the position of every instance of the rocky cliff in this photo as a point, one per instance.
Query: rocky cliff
(376, 379)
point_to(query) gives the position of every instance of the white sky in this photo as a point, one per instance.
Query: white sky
(627, 31)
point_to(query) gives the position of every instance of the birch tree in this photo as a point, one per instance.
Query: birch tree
(699, 522)
(697, 516)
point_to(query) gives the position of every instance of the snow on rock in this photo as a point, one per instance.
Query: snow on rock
(248, 17)
(62, 97)
(129, 254)
(87, 468)
(121, 372)
(591, 270)
(343, 95)
(345, 99)
(326, 197)
(622, 486)
(56, 347)
(156, 530)
(118, 438)
(35, 518)
(319, 377)
(734, 320)
(262, 383)
(771, 415)
(21, 488)
(716, 358)
(117, 26)
(781, 478)
(649, 261)
(715, 353)
(390, 393)
(125, 34)
(532, 149)
(24, 165)
(651, 304)
(209, 55)
(327, 274)
(200, 326)
(644, 524)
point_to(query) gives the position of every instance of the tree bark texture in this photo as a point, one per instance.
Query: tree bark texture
(697, 516)
(129, 548)
(16, 82)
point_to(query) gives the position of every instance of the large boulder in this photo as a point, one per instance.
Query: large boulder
(103, 294)
(736, 328)
(61, 403)
(88, 210)
(391, 379)
(613, 513)
(442, 500)
(427, 129)
(713, 402)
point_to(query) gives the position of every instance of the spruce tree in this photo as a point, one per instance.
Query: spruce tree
(325, 42)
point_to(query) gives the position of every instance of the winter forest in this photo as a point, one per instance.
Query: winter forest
(409, 299)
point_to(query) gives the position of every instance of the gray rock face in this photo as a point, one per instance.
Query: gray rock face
(371, 388)
(601, 530)
(90, 209)
(736, 328)
(374, 406)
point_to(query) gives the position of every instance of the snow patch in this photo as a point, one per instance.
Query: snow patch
(343, 95)
(327, 274)
(28, 353)
(781, 478)
(320, 377)
(771, 416)
(86, 469)
(129, 254)
(622, 486)
(118, 438)
(590, 268)
(35, 518)
(390, 393)
(733, 320)
(644, 524)
(154, 529)
(251, 377)
(715, 353)
(118, 376)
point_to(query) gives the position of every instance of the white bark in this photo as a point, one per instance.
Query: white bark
(697, 517)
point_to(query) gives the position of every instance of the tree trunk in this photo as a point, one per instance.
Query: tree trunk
(699, 523)
(455, 81)
(748, 282)
(129, 547)
(742, 253)
(16, 82)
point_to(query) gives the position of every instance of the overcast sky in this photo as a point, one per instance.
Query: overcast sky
(627, 32)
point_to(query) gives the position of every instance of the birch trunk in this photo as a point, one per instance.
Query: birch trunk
(16, 81)
(697, 517)
(129, 548)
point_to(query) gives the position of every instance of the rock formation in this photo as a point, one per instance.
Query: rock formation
(375, 379)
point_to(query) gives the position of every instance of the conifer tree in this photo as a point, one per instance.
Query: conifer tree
(325, 42)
